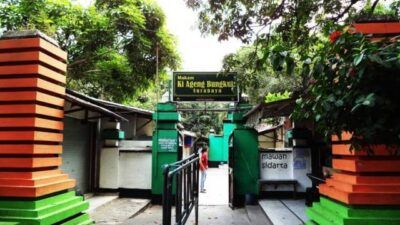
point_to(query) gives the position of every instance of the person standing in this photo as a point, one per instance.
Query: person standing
(203, 168)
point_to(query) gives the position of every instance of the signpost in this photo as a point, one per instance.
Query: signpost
(205, 86)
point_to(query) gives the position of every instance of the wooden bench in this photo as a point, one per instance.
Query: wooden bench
(280, 182)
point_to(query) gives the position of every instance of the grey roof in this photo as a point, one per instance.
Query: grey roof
(125, 109)
(283, 107)
(111, 106)
(96, 108)
(265, 128)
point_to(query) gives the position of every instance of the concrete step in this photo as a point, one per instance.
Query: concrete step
(257, 216)
(278, 213)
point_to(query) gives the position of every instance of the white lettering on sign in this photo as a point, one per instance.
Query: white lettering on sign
(276, 165)
(167, 144)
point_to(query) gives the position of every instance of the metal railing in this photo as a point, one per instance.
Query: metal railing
(184, 176)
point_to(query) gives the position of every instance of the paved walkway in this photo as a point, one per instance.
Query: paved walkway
(284, 212)
(217, 187)
(100, 200)
(210, 215)
(213, 210)
(118, 211)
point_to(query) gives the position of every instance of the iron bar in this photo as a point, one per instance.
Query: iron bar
(183, 175)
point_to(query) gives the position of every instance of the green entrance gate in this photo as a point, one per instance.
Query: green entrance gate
(239, 141)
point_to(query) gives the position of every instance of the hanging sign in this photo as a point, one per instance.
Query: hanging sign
(205, 86)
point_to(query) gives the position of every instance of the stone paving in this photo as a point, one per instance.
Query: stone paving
(209, 215)
(118, 211)
(217, 187)
(213, 209)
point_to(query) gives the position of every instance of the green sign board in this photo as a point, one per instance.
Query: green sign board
(205, 86)
(167, 141)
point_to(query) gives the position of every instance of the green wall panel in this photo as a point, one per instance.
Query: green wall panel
(216, 153)
(246, 165)
(172, 116)
(228, 128)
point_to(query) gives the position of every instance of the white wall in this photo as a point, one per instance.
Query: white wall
(135, 170)
(296, 166)
(109, 168)
(126, 167)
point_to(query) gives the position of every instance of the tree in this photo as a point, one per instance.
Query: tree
(355, 88)
(111, 45)
(257, 80)
(285, 35)
(202, 121)
(292, 19)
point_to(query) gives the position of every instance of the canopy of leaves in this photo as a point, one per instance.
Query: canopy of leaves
(257, 79)
(202, 121)
(355, 88)
(285, 36)
(292, 19)
(273, 97)
(354, 82)
(111, 44)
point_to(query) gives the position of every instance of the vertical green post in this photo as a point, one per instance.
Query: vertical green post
(165, 145)
(246, 154)
(228, 127)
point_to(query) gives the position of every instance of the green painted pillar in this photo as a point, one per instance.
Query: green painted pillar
(165, 144)
(246, 171)
(228, 127)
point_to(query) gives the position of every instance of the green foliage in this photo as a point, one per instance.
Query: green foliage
(379, 12)
(148, 98)
(111, 45)
(285, 36)
(257, 79)
(355, 88)
(351, 85)
(202, 121)
(293, 20)
(273, 97)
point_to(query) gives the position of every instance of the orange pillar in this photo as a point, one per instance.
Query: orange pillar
(32, 89)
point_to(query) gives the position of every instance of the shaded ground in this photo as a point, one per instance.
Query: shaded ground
(118, 211)
(99, 200)
(285, 211)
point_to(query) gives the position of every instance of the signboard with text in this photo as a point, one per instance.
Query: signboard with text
(276, 165)
(205, 86)
(167, 141)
